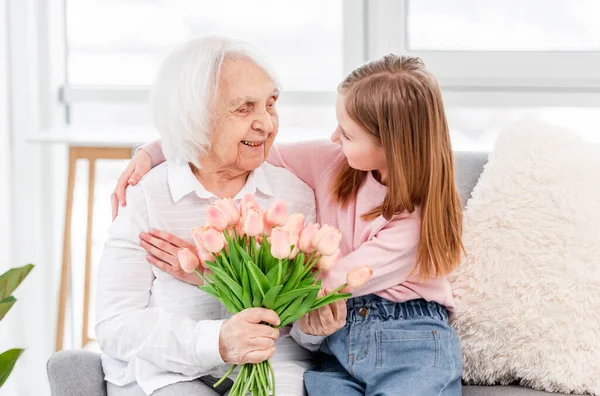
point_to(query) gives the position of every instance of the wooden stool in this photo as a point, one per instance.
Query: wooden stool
(91, 154)
(89, 144)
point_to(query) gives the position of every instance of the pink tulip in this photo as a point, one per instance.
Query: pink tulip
(215, 218)
(204, 256)
(326, 263)
(197, 236)
(187, 260)
(294, 224)
(230, 210)
(280, 243)
(213, 240)
(253, 223)
(268, 227)
(306, 235)
(327, 240)
(358, 277)
(248, 203)
(277, 214)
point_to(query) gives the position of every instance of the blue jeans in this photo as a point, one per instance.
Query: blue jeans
(388, 348)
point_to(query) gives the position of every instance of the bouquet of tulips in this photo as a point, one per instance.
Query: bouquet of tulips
(256, 258)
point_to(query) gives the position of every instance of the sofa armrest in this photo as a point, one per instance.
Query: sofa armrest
(76, 372)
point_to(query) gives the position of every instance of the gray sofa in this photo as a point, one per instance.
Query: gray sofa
(75, 372)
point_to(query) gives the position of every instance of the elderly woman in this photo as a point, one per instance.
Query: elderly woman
(214, 105)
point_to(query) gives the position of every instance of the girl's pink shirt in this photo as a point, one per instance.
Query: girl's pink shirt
(389, 247)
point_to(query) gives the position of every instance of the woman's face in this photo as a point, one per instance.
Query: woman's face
(245, 118)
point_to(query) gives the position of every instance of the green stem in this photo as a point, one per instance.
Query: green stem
(272, 376)
(249, 381)
(279, 269)
(225, 376)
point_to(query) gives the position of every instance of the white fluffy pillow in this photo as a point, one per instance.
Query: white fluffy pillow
(528, 291)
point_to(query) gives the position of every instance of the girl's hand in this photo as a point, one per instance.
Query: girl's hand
(140, 164)
(162, 248)
(326, 320)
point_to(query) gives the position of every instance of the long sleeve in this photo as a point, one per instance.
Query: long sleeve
(127, 326)
(154, 149)
(307, 160)
(391, 253)
(307, 341)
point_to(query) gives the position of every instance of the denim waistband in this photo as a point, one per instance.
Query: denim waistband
(375, 307)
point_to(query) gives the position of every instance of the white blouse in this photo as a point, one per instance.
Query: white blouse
(151, 327)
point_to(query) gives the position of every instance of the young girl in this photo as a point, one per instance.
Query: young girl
(387, 183)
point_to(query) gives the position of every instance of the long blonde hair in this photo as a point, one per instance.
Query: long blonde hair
(398, 102)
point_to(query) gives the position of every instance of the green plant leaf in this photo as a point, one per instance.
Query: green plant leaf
(302, 309)
(235, 287)
(257, 300)
(291, 308)
(259, 278)
(247, 289)
(234, 257)
(292, 282)
(328, 299)
(6, 305)
(284, 298)
(225, 292)
(13, 278)
(208, 288)
(7, 362)
(269, 300)
(245, 256)
(272, 275)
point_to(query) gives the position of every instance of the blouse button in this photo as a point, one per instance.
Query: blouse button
(364, 311)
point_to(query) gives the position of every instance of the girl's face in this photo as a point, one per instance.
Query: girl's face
(361, 150)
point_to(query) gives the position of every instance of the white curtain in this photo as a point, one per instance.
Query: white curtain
(26, 229)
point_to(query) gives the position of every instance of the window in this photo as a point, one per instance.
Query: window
(123, 42)
(508, 25)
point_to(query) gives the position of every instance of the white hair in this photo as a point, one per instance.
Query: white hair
(183, 93)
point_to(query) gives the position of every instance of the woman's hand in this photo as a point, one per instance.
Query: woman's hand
(162, 248)
(243, 339)
(140, 164)
(326, 320)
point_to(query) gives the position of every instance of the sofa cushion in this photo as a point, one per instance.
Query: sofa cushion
(528, 291)
(509, 390)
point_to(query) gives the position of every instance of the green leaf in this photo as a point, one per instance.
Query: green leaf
(233, 285)
(230, 304)
(225, 292)
(328, 299)
(247, 290)
(245, 256)
(259, 278)
(272, 275)
(6, 305)
(284, 298)
(302, 309)
(208, 288)
(13, 278)
(269, 300)
(257, 300)
(7, 361)
(234, 257)
(307, 282)
(291, 309)
(294, 279)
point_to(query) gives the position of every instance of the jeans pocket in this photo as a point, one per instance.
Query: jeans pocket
(408, 347)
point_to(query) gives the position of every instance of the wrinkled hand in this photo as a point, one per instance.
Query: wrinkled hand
(140, 164)
(244, 340)
(326, 320)
(162, 248)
